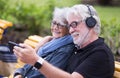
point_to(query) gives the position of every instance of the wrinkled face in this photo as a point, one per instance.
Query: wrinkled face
(58, 30)
(78, 30)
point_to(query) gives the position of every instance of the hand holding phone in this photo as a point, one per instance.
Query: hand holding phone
(12, 44)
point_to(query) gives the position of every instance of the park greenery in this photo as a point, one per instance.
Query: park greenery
(35, 16)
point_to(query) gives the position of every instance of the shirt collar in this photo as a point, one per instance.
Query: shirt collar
(93, 44)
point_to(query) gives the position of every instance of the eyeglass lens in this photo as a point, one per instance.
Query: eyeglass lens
(74, 24)
(57, 24)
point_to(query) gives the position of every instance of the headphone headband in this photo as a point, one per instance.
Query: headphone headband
(88, 6)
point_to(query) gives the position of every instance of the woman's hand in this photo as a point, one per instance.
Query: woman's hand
(26, 54)
(44, 40)
(47, 39)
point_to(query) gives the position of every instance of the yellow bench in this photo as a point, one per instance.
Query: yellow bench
(33, 40)
(3, 25)
(117, 70)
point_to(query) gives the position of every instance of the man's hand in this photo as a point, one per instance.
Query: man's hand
(26, 54)
(18, 76)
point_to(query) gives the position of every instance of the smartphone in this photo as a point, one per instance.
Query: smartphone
(12, 44)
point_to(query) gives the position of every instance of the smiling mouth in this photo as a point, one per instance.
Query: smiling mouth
(75, 35)
(57, 32)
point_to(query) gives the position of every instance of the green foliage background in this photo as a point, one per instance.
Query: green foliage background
(35, 16)
(110, 29)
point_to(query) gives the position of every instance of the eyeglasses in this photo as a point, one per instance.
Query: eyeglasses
(60, 26)
(74, 24)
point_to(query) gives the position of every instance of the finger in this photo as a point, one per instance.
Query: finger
(17, 48)
(18, 54)
(25, 45)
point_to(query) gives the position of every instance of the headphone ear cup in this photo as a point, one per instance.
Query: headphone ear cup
(90, 22)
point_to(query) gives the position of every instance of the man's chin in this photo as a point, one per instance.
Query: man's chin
(77, 43)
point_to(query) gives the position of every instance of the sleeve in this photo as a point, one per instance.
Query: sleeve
(61, 56)
(22, 71)
(19, 71)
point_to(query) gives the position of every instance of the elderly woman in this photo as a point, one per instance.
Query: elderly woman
(56, 49)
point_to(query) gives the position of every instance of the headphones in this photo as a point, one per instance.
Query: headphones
(90, 21)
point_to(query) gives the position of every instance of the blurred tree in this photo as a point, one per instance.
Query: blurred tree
(101, 2)
(104, 2)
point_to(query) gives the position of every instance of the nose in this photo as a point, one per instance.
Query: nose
(71, 30)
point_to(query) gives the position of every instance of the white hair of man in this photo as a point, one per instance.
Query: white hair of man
(59, 15)
(82, 10)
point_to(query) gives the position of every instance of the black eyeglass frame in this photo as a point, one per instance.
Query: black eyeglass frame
(74, 24)
(53, 23)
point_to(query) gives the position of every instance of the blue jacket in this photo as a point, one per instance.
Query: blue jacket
(58, 58)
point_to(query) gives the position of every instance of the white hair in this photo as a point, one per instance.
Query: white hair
(82, 10)
(59, 15)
